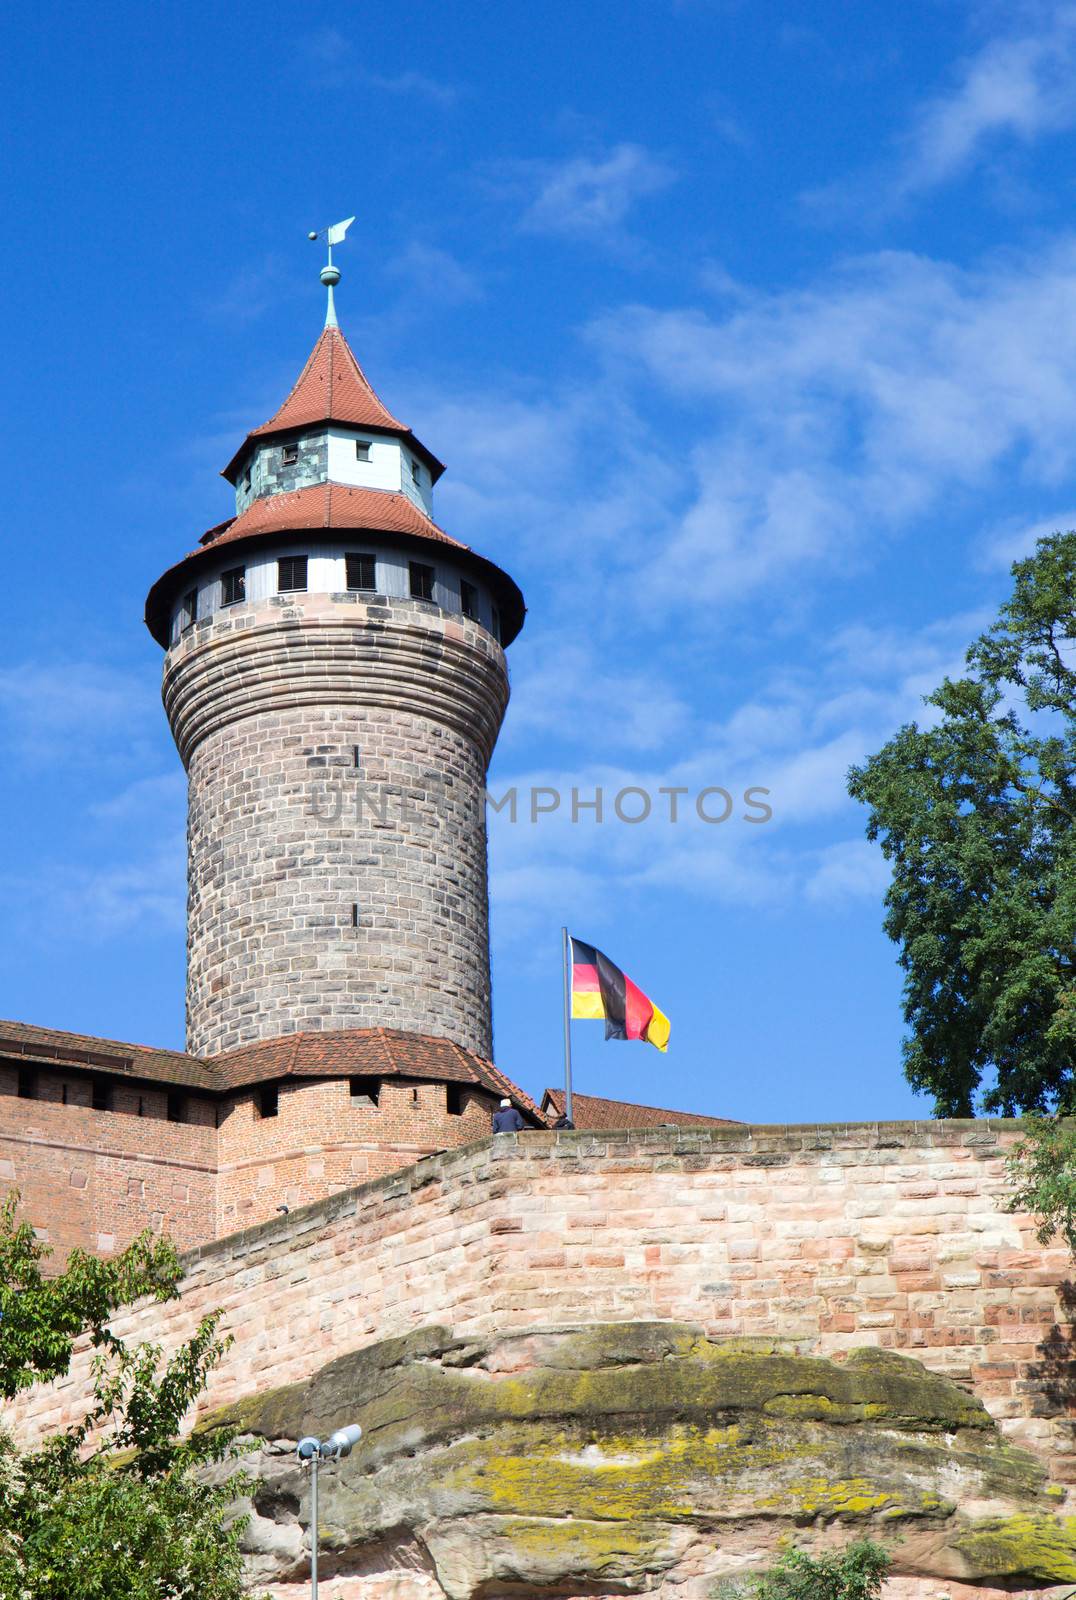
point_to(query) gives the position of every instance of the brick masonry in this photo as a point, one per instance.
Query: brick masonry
(892, 1235)
(96, 1178)
(287, 836)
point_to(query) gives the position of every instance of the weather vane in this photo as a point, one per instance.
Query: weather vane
(330, 275)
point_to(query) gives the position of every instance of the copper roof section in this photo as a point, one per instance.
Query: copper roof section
(330, 505)
(592, 1112)
(373, 1052)
(332, 387)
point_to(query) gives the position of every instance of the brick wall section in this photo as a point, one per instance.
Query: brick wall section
(97, 1178)
(285, 835)
(828, 1237)
(321, 1141)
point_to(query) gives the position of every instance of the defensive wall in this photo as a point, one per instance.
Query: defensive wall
(196, 1166)
(826, 1237)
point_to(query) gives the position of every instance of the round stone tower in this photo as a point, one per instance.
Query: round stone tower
(335, 682)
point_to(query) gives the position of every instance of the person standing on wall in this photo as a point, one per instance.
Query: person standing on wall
(507, 1119)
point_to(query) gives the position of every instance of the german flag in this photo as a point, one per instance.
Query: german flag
(601, 991)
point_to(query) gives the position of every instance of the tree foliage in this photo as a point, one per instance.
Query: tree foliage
(118, 1507)
(975, 814)
(1042, 1178)
(855, 1573)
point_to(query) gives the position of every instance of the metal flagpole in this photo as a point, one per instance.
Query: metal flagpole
(567, 1026)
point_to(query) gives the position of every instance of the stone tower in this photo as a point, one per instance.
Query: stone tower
(335, 682)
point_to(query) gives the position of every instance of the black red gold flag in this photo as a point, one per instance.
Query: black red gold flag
(602, 991)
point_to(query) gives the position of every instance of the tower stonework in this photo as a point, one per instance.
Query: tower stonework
(335, 682)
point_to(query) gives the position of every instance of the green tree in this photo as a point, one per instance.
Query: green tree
(118, 1507)
(855, 1573)
(975, 814)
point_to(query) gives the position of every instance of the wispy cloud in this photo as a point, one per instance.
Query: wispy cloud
(335, 60)
(1017, 88)
(853, 404)
(434, 274)
(49, 712)
(590, 195)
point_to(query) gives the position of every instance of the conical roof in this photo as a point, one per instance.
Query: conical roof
(332, 387)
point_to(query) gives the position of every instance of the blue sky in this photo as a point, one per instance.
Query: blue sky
(748, 333)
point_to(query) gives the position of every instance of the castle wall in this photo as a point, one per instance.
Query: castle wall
(894, 1235)
(287, 836)
(322, 1140)
(96, 1179)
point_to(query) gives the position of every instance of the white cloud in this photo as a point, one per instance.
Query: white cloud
(853, 869)
(591, 194)
(48, 711)
(843, 412)
(1019, 86)
(1016, 538)
(435, 274)
(332, 57)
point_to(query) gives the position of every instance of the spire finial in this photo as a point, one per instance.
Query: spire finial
(330, 274)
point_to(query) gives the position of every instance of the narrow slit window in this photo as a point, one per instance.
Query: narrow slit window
(469, 600)
(362, 449)
(246, 479)
(361, 571)
(497, 625)
(189, 615)
(291, 574)
(416, 471)
(289, 455)
(268, 1100)
(421, 581)
(177, 1107)
(233, 586)
(365, 1092)
(27, 1083)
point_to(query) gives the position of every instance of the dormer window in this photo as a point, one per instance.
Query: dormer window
(289, 454)
(469, 600)
(246, 479)
(291, 574)
(233, 586)
(362, 449)
(361, 572)
(416, 471)
(421, 581)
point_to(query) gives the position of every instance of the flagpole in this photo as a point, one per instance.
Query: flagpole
(567, 1026)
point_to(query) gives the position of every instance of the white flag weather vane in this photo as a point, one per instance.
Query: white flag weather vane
(330, 274)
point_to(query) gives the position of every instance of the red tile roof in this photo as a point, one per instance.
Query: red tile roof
(21, 1041)
(332, 387)
(330, 505)
(374, 1052)
(592, 1112)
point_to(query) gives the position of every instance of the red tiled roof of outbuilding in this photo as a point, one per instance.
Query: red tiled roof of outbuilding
(332, 387)
(373, 1052)
(330, 505)
(590, 1111)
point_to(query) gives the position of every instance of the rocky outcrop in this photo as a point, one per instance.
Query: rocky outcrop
(640, 1457)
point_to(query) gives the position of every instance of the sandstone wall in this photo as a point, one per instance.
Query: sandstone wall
(891, 1235)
